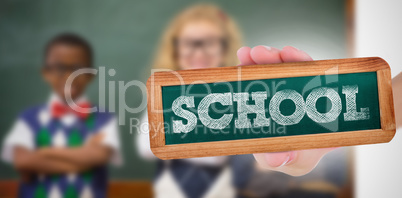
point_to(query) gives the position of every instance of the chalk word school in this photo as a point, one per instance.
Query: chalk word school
(270, 108)
(303, 107)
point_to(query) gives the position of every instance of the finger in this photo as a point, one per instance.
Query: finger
(326, 150)
(276, 159)
(291, 54)
(244, 56)
(265, 55)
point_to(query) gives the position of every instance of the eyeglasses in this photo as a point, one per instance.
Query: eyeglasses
(209, 46)
(63, 69)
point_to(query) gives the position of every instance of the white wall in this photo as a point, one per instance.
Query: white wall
(378, 168)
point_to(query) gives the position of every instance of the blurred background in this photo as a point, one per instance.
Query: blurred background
(125, 35)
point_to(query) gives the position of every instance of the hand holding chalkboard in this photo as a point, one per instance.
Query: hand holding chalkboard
(277, 107)
(290, 162)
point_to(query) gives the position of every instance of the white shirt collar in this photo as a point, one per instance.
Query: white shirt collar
(56, 98)
(67, 120)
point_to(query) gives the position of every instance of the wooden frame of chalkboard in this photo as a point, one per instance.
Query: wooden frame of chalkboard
(269, 144)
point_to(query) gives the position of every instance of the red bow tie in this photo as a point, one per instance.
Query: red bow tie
(58, 110)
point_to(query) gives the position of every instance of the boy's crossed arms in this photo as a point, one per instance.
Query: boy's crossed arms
(56, 160)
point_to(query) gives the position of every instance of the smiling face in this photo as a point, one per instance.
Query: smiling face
(200, 44)
(61, 60)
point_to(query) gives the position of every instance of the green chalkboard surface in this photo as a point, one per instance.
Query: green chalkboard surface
(125, 34)
(366, 98)
(270, 108)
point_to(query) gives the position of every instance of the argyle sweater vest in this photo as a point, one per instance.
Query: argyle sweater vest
(195, 180)
(91, 183)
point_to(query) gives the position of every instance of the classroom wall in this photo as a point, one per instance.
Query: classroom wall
(125, 33)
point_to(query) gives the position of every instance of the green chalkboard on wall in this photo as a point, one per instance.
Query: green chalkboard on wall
(124, 34)
(276, 107)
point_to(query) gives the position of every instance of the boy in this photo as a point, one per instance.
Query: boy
(60, 152)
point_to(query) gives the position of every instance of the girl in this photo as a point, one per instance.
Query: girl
(203, 37)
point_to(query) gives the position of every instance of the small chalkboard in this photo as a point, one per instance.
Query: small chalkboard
(270, 108)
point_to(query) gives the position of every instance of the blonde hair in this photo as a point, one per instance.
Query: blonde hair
(165, 56)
